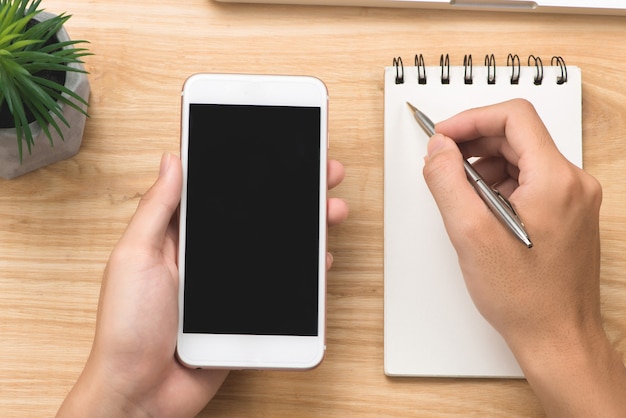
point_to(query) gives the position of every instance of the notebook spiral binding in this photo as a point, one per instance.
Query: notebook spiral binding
(512, 61)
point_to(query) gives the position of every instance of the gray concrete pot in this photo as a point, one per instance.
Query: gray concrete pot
(42, 153)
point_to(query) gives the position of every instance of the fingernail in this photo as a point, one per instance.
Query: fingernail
(165, 163)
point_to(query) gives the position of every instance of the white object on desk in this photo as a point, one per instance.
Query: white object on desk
(431, 326)
(604, 7)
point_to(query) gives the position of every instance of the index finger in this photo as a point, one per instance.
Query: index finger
(501, 129)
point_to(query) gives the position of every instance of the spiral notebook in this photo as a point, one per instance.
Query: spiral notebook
(431, 326)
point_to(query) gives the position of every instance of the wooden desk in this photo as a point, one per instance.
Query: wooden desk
(58, 225)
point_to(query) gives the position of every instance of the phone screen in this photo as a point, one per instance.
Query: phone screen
(252, 224)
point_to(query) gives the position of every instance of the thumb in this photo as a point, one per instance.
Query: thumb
(157, 206)
(445, 176)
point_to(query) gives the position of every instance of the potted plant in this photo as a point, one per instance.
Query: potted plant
(43, 88)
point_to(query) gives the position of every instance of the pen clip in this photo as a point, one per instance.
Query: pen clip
(507, 204)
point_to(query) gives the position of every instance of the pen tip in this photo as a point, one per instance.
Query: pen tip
(413, 108)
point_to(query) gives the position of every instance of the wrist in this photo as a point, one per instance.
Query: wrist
(578, 373)
(93, 396)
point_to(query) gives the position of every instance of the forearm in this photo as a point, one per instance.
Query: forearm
(579, 377)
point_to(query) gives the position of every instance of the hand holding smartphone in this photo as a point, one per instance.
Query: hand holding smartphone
(253, 222)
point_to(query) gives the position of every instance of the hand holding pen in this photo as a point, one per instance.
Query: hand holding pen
(494, 200)
(544, 302)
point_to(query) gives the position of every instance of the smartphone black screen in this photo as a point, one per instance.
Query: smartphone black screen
(252, 227)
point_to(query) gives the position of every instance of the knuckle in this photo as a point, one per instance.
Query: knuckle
(523, 105)
(577, 186)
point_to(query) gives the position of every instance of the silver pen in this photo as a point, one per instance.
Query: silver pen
(498, 204)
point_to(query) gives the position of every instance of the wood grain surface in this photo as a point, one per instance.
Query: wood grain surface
(59, 224)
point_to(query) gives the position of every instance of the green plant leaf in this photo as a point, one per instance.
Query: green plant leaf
(42, 122)
(56, 88)
(46, 104)
(16, 26)
(7, 14)
(43, 118)
(16, 46)
(22, 127)
(26, 52)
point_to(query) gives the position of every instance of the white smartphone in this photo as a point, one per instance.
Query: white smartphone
(252, 257)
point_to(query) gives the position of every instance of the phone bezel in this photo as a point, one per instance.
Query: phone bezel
(233, 351)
